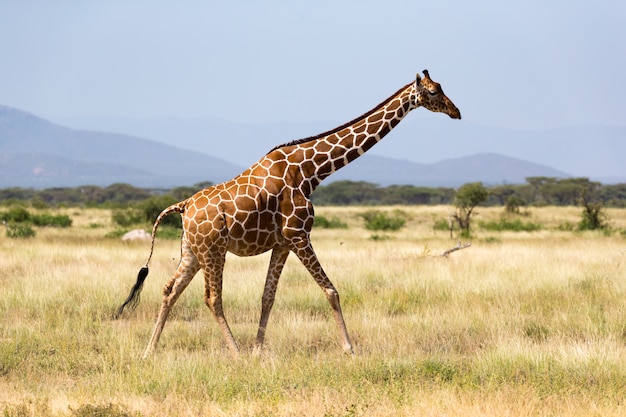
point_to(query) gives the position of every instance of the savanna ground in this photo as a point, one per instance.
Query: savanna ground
(520, 323)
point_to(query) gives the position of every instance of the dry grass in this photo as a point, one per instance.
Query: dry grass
(526, 323)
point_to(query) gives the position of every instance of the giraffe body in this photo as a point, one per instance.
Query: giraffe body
(268, 207)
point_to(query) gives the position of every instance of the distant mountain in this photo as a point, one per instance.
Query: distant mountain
(38, 153)
(596, 152)
(490, 169)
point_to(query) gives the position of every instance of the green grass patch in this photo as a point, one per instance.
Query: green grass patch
(508, 224)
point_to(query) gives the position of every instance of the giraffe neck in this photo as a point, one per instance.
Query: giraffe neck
(320, 156)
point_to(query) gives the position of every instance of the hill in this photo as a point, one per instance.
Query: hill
(423, 138)
(37, 153)
(487, 168)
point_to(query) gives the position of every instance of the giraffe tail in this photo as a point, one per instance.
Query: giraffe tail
(133, 298)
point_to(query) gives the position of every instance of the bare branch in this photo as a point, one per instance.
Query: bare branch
(458, 246)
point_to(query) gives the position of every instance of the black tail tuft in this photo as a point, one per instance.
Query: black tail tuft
(133, 297)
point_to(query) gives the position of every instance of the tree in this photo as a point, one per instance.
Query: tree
(513, 203)
(467, 198)
(613, 195)
(502, 193)
(153, 206)
(593, 215)
(539, 185)
(568, 190)
(345, 193)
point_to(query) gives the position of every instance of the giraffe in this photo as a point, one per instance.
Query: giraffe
(268, 207)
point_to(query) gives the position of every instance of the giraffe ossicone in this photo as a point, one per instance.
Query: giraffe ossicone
(268, 207)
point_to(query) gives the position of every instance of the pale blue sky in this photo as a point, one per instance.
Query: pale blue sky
(531, 64)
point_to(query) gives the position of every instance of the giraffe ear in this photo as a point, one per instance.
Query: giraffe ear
(418, 78)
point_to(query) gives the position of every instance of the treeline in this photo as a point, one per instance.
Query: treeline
(537, 191)
(113, 196)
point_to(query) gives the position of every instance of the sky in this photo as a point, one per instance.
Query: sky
(530, 64)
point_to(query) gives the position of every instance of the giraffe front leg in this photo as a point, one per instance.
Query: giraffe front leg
(277, 262)
(307, 256)
(187, 269)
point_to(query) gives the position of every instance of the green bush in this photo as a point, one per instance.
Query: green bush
(15, 215)
(513, 204)
(153, 206)
(442, 225)
(332, 223)
(21, 215)
(593, 217)
(378, 220)
(46, 219)
(169, 232)
(514, 225)
(146, 212)
(19, 231)
(127, 217)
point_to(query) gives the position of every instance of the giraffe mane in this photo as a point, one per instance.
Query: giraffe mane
(343, 126)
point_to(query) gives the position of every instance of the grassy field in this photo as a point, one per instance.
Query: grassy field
(518, 324)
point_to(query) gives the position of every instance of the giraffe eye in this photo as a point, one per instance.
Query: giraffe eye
(432, 93)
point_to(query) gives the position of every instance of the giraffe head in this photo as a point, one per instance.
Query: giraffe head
(431, 96)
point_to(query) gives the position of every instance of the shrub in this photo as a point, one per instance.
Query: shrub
(16, 215)
(21, 231)
(513, 204)
(152, 207)
(593, 217)
(127, 217)
(441, 225)
(169, 232)
(21, 215)
(45, 219)
(378, 220)
(515, 225)
(332, 223)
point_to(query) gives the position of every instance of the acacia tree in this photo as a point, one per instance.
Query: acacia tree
(468, 196)
(593, 215)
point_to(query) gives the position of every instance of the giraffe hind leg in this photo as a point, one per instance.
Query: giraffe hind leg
(213, 273)
(187, 269)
